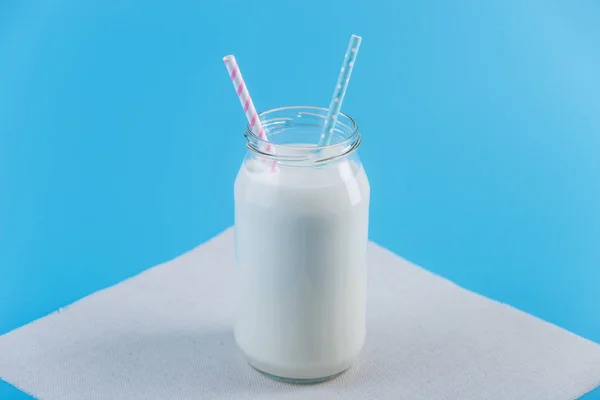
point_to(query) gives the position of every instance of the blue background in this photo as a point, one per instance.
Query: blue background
(120, 137)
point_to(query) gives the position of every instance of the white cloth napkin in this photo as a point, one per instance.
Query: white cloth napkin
(166, 334)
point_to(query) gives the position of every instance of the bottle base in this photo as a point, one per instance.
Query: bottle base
(298, 381)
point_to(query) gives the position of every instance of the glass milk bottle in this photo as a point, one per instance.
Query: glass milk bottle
(301, 228)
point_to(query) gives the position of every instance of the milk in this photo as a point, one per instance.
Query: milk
(301, 240)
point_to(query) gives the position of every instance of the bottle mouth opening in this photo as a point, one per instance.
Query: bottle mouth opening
(293, 134)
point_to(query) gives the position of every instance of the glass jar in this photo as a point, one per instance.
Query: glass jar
(301, 229)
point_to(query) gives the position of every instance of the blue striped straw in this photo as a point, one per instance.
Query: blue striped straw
(340, 90)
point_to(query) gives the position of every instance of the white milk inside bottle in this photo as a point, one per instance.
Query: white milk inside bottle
(301, 239)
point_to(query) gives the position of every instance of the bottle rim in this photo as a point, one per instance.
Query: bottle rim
(346, 128)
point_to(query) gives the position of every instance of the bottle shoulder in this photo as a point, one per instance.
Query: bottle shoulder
(336, 185)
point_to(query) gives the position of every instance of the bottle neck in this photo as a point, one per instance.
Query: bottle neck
(293, 134)
(302, 155)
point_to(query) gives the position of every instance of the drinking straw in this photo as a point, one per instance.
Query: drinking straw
(242, 91)
(340, 90)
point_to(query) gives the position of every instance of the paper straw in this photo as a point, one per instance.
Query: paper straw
(242, 91)
(340, 90)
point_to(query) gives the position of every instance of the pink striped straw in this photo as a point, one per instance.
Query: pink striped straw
(242, 91)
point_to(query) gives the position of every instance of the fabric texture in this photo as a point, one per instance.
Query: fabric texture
(166, 334)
